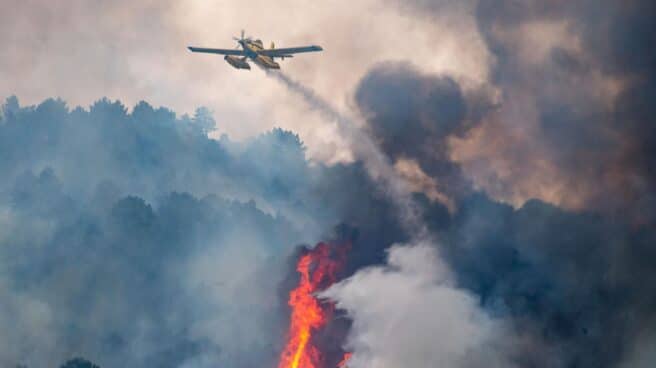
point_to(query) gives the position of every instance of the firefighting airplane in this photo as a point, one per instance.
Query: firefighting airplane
(253, 50)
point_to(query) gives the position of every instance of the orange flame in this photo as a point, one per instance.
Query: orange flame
(345, 359)
(318, 270)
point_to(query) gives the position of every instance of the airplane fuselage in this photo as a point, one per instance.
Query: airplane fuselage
(252, 50)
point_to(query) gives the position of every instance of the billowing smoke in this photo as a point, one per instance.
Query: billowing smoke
(572, 128)
(379, 300)
(132, 239)
(377, 164)
(568, 121)
(408, 313)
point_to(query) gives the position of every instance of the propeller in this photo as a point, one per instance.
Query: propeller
(242, 38)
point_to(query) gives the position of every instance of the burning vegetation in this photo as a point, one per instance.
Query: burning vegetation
(318, 268)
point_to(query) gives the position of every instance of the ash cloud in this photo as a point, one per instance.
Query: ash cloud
(412, 115)
(565, 138)
(569, 122)
(576, 82)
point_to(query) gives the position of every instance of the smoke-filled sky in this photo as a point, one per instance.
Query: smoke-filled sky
(490, 162)
(135, 50)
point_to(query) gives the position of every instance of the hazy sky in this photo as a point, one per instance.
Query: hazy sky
(136, 51)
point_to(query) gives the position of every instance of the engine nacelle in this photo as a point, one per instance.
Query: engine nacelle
(237, 62)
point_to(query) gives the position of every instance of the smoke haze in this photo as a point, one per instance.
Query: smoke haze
(490, 162)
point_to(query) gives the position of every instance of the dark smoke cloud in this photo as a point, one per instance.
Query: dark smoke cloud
(575, 281)
(412, 116)
(573, 126)
(598, 144)
(602, 147)
(575, 81)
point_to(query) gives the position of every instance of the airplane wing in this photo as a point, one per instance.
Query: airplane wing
(217, 51)
(286, 51)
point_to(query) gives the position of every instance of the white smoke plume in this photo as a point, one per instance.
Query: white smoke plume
(407, 313)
